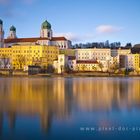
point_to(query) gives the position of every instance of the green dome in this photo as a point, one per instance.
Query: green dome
(1, 22)
(12, 28)
(46, 25)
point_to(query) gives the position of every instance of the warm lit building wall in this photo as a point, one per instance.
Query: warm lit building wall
(120, 51)
(23, 55)
(5, 52)
(50, 53)
(130, 61)
(68, 52)
(133, 61)
(87, 66)
(93, 54)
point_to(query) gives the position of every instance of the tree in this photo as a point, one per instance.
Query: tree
(128, 45)
(83, 67)
(101, 66)
(94, 68)
(68, 69)
(5, 60)
(21, 60)
(50, 68)
(115, 65)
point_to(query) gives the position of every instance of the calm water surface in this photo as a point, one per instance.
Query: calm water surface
(69, 108)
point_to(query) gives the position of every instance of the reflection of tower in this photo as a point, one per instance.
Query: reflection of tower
(123, 87)
(1, 34)
(12, 120)
(1, 122)
(12, 33)
(46, 30)
(45, 121)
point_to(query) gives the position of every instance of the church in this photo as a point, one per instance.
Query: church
(46, 38)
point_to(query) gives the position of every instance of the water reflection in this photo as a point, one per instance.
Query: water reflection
(106, 94)
(58, 98)
(44, 97)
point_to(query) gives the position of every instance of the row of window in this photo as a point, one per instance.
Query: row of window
(94, 54)
(28, 51)
(102, 58)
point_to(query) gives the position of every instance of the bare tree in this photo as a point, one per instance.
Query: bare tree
(101, 66)
(21, 60)
(5, 60)
(114, 66)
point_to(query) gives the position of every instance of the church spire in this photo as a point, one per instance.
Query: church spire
(1, 34)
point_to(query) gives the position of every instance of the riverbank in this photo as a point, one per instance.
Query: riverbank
(85, 74)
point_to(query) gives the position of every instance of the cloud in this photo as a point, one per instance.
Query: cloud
(107, 29)
(8, 8)
(76, 37)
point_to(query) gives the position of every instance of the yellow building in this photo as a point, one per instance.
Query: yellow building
(133, 61)
(130, 61)
(20, 56)
(84, 65)
(67, 52)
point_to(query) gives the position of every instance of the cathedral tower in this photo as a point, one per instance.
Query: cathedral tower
(12, 33)
(46, 30)
(1, 34)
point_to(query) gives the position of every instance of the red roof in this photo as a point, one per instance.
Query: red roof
(87, 61)
(58, 38)
(16, 40)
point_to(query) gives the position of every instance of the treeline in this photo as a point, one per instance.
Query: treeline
(101, 45)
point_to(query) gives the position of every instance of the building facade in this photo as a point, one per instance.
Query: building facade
(130, 61)
(21, 56)
(93, 54)
(46, 38)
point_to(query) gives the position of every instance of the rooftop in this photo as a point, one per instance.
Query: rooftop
(16, 40)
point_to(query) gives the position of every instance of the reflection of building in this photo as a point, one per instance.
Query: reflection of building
(105, 94)
(46, 98)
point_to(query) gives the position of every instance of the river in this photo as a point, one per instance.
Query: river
(69, 108)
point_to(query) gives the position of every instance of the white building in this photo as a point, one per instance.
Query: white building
(87, 65)
(101, 55)
(92, 54)
(61, 64)
(46, 38)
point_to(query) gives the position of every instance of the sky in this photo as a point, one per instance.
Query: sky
(78, 20)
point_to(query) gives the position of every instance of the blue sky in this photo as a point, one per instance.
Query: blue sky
(79, 20)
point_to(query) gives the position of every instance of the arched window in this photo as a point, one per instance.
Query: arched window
(48, 34)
